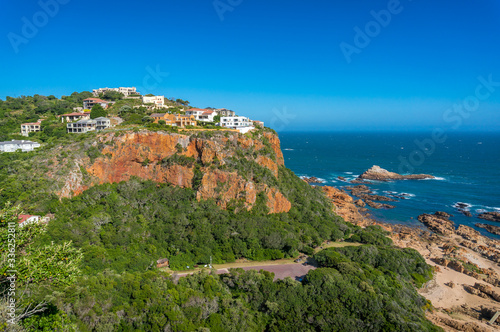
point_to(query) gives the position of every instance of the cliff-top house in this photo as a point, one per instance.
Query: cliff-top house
(240, 123)
(178, 120)
(75, 116)
(125, 91)
(90, 102)
(158, 101)
(85, 126)
(32, 127)
(202, 114)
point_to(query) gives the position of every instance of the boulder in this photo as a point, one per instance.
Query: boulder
(491, 216)
(380, 174)
(312, 179)
(437, 224)
(490, 228)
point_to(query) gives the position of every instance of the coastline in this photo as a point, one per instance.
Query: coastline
(463, 259)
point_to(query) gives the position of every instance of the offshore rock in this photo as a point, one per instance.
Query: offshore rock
(490, 228)
(312, 179)
(491, 216)
(380, 174)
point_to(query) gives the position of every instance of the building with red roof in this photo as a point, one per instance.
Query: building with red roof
(91, 102)
(30, 127)
(202, 114)
(27, 219)
(75, 116)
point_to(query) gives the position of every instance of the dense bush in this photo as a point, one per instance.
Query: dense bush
(353, 297)
(129, 225)
(404, 264)
(371, 235)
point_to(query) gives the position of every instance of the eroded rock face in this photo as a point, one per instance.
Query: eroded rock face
(276, 202)
(275, 144)
(380, 174)
(144, 155)
(437, 223)
(226, 186)
(344, 206)
(468, 233)
(268, 163)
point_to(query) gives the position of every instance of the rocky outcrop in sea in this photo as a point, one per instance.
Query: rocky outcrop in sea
(379, 174)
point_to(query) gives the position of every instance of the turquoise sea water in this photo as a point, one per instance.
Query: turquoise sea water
(467, 167)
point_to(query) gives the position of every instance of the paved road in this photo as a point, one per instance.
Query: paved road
(295, 271)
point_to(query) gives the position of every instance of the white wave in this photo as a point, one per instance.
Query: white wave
(481, 211)
(408, 195)
(348, 173)
(289, 149)
(319, 179)
(437, 178)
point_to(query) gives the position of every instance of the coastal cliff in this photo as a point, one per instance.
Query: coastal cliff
(224, 166)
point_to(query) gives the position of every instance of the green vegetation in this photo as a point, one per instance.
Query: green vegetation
(354, 289)
(371, 235)
(130, 225)
(97, 112)
(15, 111)
(111, 95)
(93, 268)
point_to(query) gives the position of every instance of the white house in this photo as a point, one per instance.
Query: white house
(207, 116)
(84, 126)
(241, 123)
(159, 101)
(202, 114)
(102, 123)
(14, 145)
(32, 127)
(90, 102)
(125, 91)
(26, 219)
(69, 117)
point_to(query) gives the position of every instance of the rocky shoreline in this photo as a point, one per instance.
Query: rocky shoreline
(465, 291)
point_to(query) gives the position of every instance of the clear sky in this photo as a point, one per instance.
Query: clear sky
(297, 65)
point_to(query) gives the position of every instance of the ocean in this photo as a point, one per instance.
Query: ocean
(466, 167)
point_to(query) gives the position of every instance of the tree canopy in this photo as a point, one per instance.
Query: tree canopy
(97, 112)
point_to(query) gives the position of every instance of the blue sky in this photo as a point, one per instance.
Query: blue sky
(278, 61)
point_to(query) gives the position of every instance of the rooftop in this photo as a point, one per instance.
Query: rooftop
(75, 114)
(18, 142)
(31, 123)
(24, 217)
(96, 100)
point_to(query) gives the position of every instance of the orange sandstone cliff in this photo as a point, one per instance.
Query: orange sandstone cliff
(210, 163)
